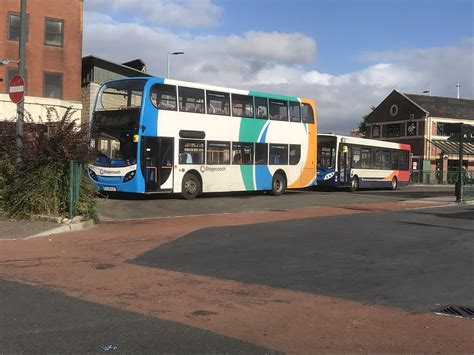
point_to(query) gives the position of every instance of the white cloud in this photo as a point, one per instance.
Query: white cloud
(185, 13)
(281, 63)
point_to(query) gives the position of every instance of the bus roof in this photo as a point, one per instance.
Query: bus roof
(160, 80)
(367, 141)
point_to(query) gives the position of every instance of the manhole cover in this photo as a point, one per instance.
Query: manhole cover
(455, 311)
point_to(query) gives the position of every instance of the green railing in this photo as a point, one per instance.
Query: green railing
(75, 175)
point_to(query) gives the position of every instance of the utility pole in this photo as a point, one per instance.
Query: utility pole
(21, 69)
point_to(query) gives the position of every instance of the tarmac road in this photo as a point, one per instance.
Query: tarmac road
(35, 320)
(121, 207)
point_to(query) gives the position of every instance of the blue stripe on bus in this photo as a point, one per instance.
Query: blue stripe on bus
(263, 178)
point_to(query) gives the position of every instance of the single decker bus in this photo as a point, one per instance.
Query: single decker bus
(155, 135)
(362, 163)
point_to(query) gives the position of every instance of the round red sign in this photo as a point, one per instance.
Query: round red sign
(17, 88)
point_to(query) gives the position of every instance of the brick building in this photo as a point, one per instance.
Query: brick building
(430, 125)
(53, 55)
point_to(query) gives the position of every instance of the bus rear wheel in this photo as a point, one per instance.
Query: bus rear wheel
(278, 184)
(191, 187)
(394, 184)
(354, 184)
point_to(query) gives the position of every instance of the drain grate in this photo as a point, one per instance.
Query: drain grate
(455, 311)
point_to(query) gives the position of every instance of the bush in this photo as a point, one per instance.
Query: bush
(41, 184)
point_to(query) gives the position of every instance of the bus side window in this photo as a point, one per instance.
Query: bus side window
(261, 108)
(356, 163)
(164, 96)
(307, 114)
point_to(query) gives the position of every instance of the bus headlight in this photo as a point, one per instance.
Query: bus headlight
(93, 175)
(329, 176)
(129, 176)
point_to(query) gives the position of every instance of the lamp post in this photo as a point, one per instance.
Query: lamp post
(169, 55)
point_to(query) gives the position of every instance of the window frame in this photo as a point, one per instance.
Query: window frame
(294, 104)
(156, 101)
(241, 161)
(225, 102)
(311, 118)
(276, 146)
(218, 142)
(243, 103)
(257, 116)
(203, 98)
(259, 146)
(272, 103)
(181, 151)
(13, 13)
(50, 19)
(61, 75)
(290, 162)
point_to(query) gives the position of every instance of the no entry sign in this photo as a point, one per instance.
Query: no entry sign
(17, 88)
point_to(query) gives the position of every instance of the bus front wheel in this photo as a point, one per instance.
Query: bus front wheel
(354, 184)
(191, 187)
(278, 184)
(394, 184)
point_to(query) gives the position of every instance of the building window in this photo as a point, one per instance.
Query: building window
(53, 32)
(376, 132)
(53, 85)
(393, 110)
(447, 129)
(393, 130)
(14, 27)
(11, 72)
(411, 129)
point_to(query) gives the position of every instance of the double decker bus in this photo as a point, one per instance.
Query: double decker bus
(155, 135)
(362, 163)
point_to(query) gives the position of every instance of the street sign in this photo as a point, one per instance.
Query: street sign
(17, 89)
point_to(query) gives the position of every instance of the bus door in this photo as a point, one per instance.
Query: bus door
(344, 164)
(157, 163)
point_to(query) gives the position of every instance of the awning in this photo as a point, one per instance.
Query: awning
(450, 147)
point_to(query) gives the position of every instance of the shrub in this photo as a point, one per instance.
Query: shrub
(41, 184)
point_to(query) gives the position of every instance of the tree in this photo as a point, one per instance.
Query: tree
(363, 123)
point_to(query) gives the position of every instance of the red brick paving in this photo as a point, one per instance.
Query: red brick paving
(92, 265)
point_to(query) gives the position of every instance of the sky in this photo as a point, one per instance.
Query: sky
(347, 55)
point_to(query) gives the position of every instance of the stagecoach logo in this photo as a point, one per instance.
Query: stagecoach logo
(211, 168)
(109, 172)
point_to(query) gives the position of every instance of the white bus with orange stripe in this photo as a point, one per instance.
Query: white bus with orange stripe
(362, 163)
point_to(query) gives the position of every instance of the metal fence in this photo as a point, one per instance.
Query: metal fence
(75, 175)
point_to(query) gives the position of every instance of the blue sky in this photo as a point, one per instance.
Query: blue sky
(345, 29)
(347, 55)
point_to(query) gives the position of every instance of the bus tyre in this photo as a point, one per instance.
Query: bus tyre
(394, 184)
(191, 187)
(278, 184)
(354, 184)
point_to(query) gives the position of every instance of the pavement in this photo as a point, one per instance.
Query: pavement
(328, 307)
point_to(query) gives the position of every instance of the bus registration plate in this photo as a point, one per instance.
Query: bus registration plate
(110, 188)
